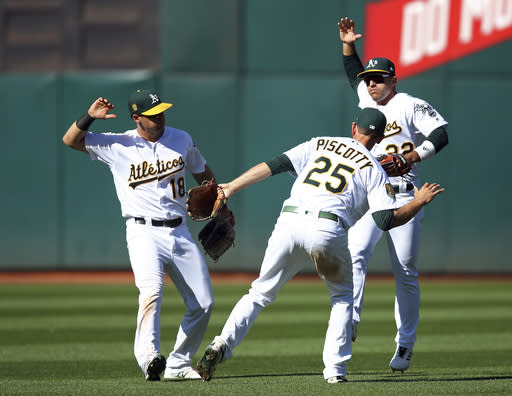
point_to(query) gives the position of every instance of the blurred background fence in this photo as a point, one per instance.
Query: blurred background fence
(248, 80)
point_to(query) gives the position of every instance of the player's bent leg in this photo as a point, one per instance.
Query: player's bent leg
(362, 239)
(338, 345)
(275, 271)
(234, 331)
(239, 322)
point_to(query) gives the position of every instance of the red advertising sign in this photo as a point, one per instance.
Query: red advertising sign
(418, 35)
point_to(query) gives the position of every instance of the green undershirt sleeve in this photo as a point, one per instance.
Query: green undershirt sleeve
(439, 138)
(280, 164)
(353, 67)
(384, 218)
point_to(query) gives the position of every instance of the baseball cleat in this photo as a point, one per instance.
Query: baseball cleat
(155, 367)
(187, 374)
(212, 356)
(336, 379)
(354, 330)
(401, 359)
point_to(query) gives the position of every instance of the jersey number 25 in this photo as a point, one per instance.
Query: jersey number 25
(337, 173)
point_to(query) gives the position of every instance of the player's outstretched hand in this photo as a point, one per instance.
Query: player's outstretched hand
(226, 190)
(101, 109)
(347, 33)
(427, 193)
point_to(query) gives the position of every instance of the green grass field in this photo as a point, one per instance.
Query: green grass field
(77, 340)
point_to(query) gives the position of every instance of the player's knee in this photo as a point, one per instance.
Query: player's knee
(201, 311)
(149, 302)
(150, 287)
(360, 262)
(260, 299)
(404, 273)
(208, 307)
(407, 282)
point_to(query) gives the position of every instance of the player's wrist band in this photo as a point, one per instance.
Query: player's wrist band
(85, 122)
(426, 150)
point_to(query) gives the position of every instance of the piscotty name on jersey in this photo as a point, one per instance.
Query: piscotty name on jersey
(343, 150)
(146, 172)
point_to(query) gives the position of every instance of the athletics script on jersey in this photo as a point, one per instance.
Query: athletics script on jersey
(340, 148)
(422, 34)
(146, 172)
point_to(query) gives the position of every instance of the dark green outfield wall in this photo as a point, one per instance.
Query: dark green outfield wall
(248, 79)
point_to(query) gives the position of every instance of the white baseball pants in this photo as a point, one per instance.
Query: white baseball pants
(403, 247)
(153, 252)
(296, 240)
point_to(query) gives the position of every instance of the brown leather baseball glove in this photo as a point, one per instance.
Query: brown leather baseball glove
(205, 201)
(394, 164)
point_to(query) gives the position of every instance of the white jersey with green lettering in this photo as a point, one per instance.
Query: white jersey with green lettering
(340, 176)
(149, 176)
(410, 121)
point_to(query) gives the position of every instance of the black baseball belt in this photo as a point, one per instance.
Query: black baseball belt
(321, 214)
(160, 223)
(403, 188)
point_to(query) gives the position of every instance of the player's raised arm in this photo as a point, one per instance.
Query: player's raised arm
(75, 135)
(351, 61)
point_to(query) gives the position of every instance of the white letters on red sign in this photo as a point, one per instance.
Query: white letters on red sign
(493, 14)
(421, 34)
(424, 29)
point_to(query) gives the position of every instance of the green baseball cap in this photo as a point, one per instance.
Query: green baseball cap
(147, 103)
(381, 66)
(372, 120)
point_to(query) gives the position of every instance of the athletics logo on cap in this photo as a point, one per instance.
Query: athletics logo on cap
(147, 103)
(381, 66)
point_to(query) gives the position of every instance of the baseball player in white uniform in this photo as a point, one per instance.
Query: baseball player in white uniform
(148, 164)
(338, 180)
(417, 131)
